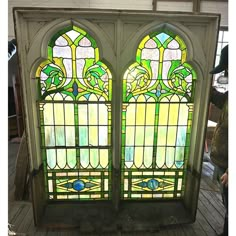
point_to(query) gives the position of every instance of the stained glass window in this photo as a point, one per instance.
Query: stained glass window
(158, 94)
(75, 118)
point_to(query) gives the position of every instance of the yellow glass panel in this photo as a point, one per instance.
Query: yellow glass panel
(150, 114)
(48, 114)
(93, 135)
(171, 136)
(140, 117)
(104, 158)
(138, 156)
(103, 114)
(106, 184)
(146, 195)
(139, 135)
(83, 114)
(161, 156)
(61, 196)
(163, 114)
(129, 136)
(72, 173)
(170, 173)
(126, 184)
(69, 114)
(93, 114)
(173, 114)
(58, 114)
(179, 184)
(94, 158)
(61, 174)
(130, 115)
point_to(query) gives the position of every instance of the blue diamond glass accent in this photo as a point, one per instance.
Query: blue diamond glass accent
(152, 184)
(78, 185)
(75, 89)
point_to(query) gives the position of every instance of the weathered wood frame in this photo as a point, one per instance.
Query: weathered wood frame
(35, 26)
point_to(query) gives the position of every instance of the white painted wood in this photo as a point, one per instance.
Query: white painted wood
(118, 34)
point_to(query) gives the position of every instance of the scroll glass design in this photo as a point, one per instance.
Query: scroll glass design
(75, 118)
(158, 97)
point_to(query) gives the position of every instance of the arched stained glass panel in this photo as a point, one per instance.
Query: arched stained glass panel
(75, 118)
(158, 95)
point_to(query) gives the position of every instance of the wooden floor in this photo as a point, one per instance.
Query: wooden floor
(209, 219)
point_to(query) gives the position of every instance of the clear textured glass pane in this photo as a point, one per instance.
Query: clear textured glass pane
(103, 131)
(49, 136)
(94, 157)
(48, 114)
(64, 52)
(161, 156)
(138, 156)
(70, 135)
(61, 158)
(83, 114)
(60, 135)
(51, 158)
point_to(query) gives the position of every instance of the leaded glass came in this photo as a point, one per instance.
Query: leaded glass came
(158, 93)
(75, 118)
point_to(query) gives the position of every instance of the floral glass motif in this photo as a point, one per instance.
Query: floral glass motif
(75, 118)
(158, 95)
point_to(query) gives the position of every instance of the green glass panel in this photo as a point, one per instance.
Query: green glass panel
(60, 136)
(181, 136)
(71, 78)
(148, 153)
(71, 158)
(158, 90)
(84, 158)
(83, 136)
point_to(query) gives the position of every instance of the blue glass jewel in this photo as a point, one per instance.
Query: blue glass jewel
(78, 185)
